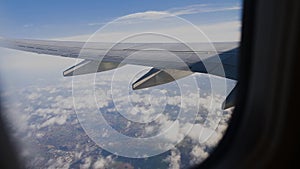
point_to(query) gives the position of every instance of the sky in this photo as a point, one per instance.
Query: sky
(77, 20)
(57, 18)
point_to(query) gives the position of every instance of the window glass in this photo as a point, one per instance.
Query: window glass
(97, 120)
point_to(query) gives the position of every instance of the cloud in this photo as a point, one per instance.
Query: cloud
(59, 120)
(86, 163)
(187, 10)
(59, 162)
(103, 162)
(144, 15)
(44, 116)
(33, 96)
(95, 24)
(198, 155)
(226, 31)
(28, 25)
(154, 21)
(174, 159)
(201, 8)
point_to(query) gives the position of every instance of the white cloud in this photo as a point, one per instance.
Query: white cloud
(198, 155)
(33, 96)
(59, 162)
(59, 120)
(144, 15)
(102, 162)
(187, 10)
(153, 21)
(28, 25)
(174, 159)
(95, 24)
(53, 113)
(216, 32)
(173, 130)
(201, 8)
(86, 163)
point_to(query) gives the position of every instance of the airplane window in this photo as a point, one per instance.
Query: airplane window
(152, 86)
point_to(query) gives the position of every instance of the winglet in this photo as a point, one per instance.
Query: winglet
(230, 99)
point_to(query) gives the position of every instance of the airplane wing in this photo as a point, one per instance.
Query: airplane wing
(170, 61)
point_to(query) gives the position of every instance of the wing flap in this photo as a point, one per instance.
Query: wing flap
(157, 77)
(88, 66)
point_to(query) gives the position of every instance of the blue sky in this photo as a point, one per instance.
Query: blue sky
(61, 18)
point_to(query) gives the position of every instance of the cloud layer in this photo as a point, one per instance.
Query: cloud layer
(44, 118)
